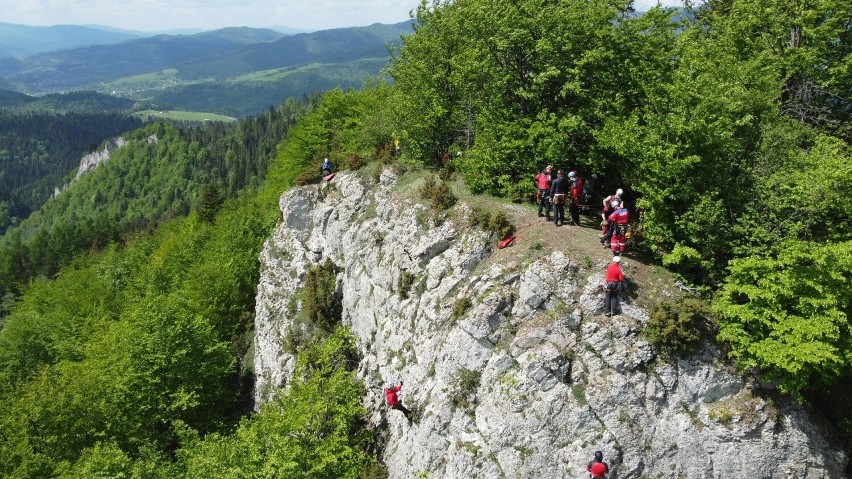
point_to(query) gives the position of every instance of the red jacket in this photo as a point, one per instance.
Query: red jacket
(598, 469)
(543, 181)
(576, 191)
(390, 395)
(620, 216)
(614, 273)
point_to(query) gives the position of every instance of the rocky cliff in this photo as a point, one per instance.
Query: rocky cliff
(92, 160)
(506, 357)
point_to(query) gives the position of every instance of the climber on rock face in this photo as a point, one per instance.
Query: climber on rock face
(392, 399)
(596, 467)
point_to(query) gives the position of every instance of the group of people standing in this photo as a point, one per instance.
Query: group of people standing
(556, 192)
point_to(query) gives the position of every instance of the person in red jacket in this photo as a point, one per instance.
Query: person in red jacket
(614, 278)
(576, 197)
(392, 398)
(606, 230)
(619, 220)
(542, 181)
(596, 467)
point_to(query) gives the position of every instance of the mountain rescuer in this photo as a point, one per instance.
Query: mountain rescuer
(596, 467)
(576, 196)
(391, 397)
(542, 181)
(559, 196)
(606, 231)
(614, 279)
(618, 221)
(327, 167)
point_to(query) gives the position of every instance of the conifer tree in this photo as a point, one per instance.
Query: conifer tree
(211, 201)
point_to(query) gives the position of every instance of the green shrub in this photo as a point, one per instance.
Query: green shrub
(500, 225)
(307, 177)
(675, 327)
(685, 261)
(355, 162)
(479, 217)
(788, 314)
(579, 393)
(321, 304)
(465, 384)
(460, 307)
(497, 223)
(403, 286)
(438, 193)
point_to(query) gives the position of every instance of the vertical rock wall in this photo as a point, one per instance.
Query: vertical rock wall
(512, 370)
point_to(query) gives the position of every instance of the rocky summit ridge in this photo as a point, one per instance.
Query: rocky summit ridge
(508, 361)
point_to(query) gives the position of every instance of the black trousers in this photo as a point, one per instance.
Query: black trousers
(611, 301)
(559, 213)
(575, 214)
(544, 202)
(608, 236)
(400, 407)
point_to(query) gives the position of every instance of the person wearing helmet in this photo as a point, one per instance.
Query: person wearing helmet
(619, 220)
(576, 195)
(543, 181)
(609, 205)
(614, 279)
(392, 398)
(596, 467)
(327, 167)
(559, 196)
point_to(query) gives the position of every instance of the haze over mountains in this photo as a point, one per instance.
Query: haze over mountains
(235, 71)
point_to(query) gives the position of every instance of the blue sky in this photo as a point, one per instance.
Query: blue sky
(158, 15)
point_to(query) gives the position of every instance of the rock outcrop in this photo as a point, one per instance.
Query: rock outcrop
(510, 365)
(95, 158)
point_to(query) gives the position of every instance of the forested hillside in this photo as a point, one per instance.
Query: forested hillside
(72, 102)
(128, 300)
(131, 360)
(161, 174)
(39, 150)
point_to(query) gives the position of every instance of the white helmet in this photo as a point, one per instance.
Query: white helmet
(389, 385)
(571, 174)
(616, 259)
(619, 192)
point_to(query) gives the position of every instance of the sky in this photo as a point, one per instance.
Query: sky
(161, 15)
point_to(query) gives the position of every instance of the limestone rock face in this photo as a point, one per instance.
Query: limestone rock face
(511, 367)
(92, 160)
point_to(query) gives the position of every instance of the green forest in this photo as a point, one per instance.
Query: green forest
(128, 300)
(38, 150)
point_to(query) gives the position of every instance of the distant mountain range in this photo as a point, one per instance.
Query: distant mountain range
(188, 71)
(20, 41)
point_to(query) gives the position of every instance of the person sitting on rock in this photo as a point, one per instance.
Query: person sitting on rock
(614, 278)
(391, 397)
(327, 167)
(596, 467)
